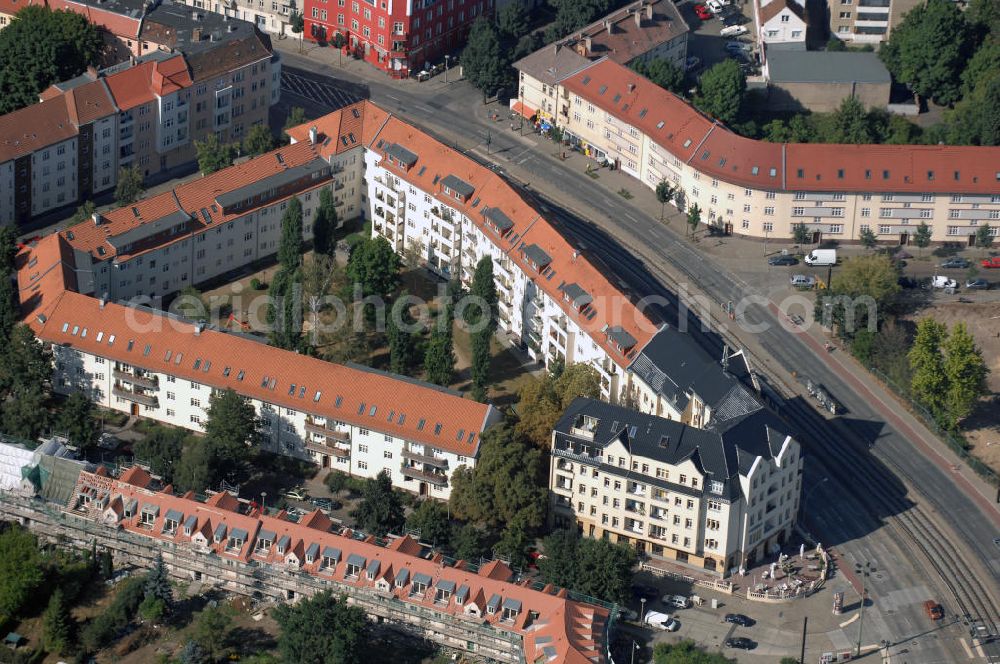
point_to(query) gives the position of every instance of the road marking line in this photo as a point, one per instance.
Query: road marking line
(852, 619)
(968, 650)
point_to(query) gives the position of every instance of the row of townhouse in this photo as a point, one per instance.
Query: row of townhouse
(147, 113)
(764, 190)
(399, 37)
(717, 499)
(483, 611)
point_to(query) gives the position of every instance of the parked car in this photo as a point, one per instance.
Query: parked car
(298, 493)
(735, 47)
(692, 63)
(977, 284)
(702, 12)
(733, 31)
(627, 614)
(732, 19)
(956, 263)
(938, 281)
(714, 6)
(802, 281)
(739, 619)
(821, 257)
(678, 601)
(933, 610)
(991, 262)
(907, 282)
(783, 260)
(326, 504)
(740, 643)
(903, 254)
(661, 621)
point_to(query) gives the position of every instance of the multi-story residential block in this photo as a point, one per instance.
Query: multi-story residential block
(274, 16)
(866, 21)
(8, 8)
(761, 189)
(641, 30)
(399, 37)
(718, 499)
(146, 115)
(483, 610)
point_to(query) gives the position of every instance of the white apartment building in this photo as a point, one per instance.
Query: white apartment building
(761, 189)
(719, 499)
(273, 16)
(357, 421)
(866, 21)
(781, 24)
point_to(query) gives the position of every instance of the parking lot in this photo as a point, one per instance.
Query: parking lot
(705, 41)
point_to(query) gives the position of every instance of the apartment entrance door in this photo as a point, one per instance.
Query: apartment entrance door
(904, 239)
(135, 410)
(817, 237)
(423, 488)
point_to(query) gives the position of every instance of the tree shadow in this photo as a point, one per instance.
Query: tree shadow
(249, 641)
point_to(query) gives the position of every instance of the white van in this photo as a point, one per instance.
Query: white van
(733, 31)
(661, 621)
(679, 601)
(821, 257)
(714, 5)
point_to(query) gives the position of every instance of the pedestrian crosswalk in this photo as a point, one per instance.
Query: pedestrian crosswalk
(320, 92)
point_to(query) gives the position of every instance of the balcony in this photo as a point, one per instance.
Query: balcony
(635, 508)
(312, 426)
(136, 397)
(412, 472)
(438, 462)
(327, 448)
(149, 383)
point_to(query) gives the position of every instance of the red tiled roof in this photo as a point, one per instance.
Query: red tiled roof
(115, 23)
(44, 271)
(717, 152)
(553, 627)
(147, 80)
(11, 7)
(342, 130)
(89, 102)
(33, 128)
(366, 398)
(627, 40)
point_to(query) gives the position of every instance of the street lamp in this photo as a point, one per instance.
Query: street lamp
(446, 59)
(635, 646)
(865, 570)
(642, 609)
(263, 501)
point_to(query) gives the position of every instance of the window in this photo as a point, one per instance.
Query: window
(362, 465)
(196, 403)
(769, 210)
(768, 227)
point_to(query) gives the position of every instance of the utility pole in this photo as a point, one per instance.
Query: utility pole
(865, 570)
(446, 59)
(802, 654)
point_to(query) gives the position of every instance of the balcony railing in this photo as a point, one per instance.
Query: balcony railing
(129, 395)
(326, 448)
(413, 472)
(439, 462)
(325, 430)
(150, 383)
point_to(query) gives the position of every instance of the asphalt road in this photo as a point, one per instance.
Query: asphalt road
(643, 251)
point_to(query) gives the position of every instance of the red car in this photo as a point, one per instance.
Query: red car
(992, 261)
(702, 12)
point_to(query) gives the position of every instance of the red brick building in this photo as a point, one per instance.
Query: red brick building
(397, 36)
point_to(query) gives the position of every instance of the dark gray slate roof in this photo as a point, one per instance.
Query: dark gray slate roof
(458, 185)
(272, 182)
(673, 364)
(149, 228)
(618, 335)
(422, 579)
(266, 535)
(191, 522)
(284, 542)
(373, 567)
(446, 586)
(331, 553)
(401, 154)
(537, 255)
(403, 575)
(174, 515)
(498, 219)
(551, 64)
(220, 531)
(238, 534)
(579, 297)
(312, 551)
(826, 67)
(356, 560)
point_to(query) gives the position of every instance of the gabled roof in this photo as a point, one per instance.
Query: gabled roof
(34, 128)
(774, 7)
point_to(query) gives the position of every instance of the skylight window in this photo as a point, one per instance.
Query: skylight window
(83, 334)
(208, 365)
(755, 170)
(145, 351)
(302, 391)
(773, 172)
(166, 356)
(65, 327)
(659, 125)
(111, 340)
(76, 328)
(197, 364)
(291, 390)
(100, 336)
(338, 401)
(371, 413)
(437, 429)
(687, 143)
(361, 408)
(131, 345)
(177, 360)
(225, 371)
(240, 375)
(420, 424)
(263, 381)
(317, 396)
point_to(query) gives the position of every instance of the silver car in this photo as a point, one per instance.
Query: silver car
(802, 281)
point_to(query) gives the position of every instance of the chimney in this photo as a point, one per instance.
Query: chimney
(92, 72)
(649, 11)
(313, 135)
(638, 18)
(590, 44)
(198, 327)
(98, 219)
(103, 300)
(608, 25)
(555, 48)
(575, 255)
(196, 34)
(631, 87)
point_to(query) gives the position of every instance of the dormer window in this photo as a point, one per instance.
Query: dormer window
(402, 578)
(420, 584)
(536, 257)
(189, 525)
(443, 591)
(283, 544)
(457, 188)
(372, 570)
(265, 540)
(355, 564)
(462, 594)
(511, 608)
(149, 514)
(237, 538)
(220, 533)
(493, 605)
(311, 553)
(331, 557)
(171, 521)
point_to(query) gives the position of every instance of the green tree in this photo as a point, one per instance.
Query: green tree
(922, 236)
(130, 185)
(929, 382)
(593, 567)
(863, 291)
(483, 63)
(296, 116)
(290, 244)
(661, 71)
(26, 363)
(431, 519)
(867, 237)
(161, 448)
(296, 21)
(572, 15)
(984, 236)
(985, 16)
(835, 44)
(506, 481)
(213, 155)
(21, 572)
(965, 371)
(375, 266)
(325, 224)
(512, 19)
(686, 652)
(158, 584)
(398, 332)
(928, 50)
(23, 414)
(194, 471)
(469, 542)
(322, 630)
(528, 44)
(380, 511)
(83, 213)
(541, 401)
(801, 234)
(850, 123)
(231, 428)
(57, 625)
(76, 419)
(484, 296)
(480, 368)
(9, 307)
(665, 193)
(694, 217)
(515, 540)
(192, 653)
(211, 631)
(284, 312)
(439, 358)
(721, 90)
(259, 140)
(41, 47)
